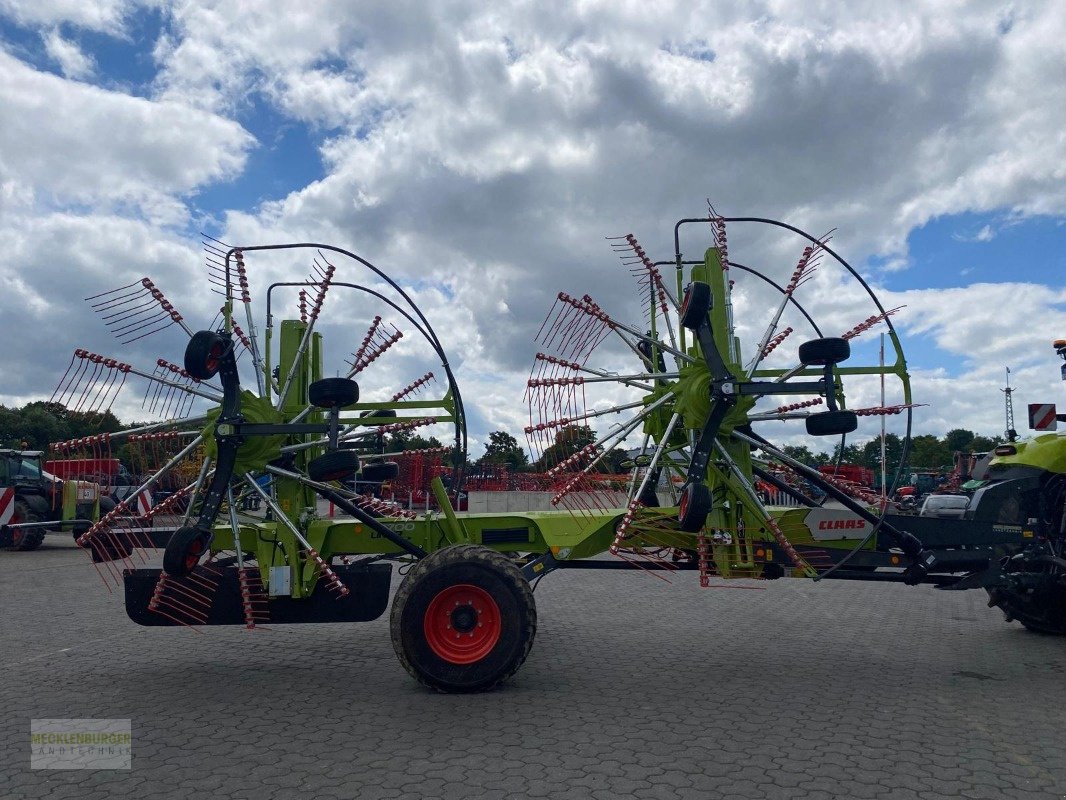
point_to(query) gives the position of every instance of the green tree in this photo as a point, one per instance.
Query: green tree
(503, 448)
(612, 461)
(929, 453)
(422, 443)
(804, 455)
(958, 439)
(852, 454)
(871, 456)
(568, 440)
(982, 444)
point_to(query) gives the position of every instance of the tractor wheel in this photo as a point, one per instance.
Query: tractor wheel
(463, 620)
(335, 466)
(203, 354)
(819, 352)
(696, 304)
(184, 550)
(330, 392)
(379, 472)
(1046, 615)
(24, 538)
(694, 507)
(832, 423)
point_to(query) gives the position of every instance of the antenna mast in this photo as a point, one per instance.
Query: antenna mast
(1012, 434)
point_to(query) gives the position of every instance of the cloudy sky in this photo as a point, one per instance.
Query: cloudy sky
(480, 153)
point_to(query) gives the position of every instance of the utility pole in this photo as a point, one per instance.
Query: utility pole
(1012, 434)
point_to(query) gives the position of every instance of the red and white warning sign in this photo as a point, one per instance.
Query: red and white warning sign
(144, 504)
(7, 505)
(1042, 417)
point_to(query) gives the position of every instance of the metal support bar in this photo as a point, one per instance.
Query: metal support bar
(346, 505)
(455, 527)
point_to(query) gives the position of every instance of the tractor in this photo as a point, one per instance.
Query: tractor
(33, 500)
(1023, 488)
(679, 382)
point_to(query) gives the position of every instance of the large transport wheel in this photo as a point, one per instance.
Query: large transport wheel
(463, 620)
(23, 538)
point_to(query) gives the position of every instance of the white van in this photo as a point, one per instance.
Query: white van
(945, 506)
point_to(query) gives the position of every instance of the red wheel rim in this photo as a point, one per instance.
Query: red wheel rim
(462, 624)
(192, 555)
(17, 533)
(683, 506)
(214, 357)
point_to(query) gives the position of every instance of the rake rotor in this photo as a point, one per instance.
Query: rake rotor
(211, 496)
(681, 412)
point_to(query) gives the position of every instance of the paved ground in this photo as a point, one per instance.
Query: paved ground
(634, 688)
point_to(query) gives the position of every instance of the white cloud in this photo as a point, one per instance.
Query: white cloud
(985, 234)
(72, 61)
(488, 150)
(100, 15)
(75, 143)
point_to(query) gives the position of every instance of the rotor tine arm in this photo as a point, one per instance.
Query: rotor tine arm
(86, 537)
(316, 309)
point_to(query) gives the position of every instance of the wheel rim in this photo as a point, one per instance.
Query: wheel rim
(17, 534)
(214, 357)
(193, 553)
(462, 624)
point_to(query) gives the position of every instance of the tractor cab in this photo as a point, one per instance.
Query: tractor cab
(24, 468)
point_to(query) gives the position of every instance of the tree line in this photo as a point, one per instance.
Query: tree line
(36, 425)
(927, 453)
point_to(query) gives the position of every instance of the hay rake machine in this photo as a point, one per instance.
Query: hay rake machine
(463, 619)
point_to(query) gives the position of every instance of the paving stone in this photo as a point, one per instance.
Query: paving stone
(634, 688)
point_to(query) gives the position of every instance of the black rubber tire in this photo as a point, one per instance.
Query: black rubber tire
(1047, 617)
(24, 540)
(184, 550)
(333, 392)
(452, 566)
(832, 423)
(819, 352)
(337, 465)
(203, 354)
(695, 305)
(694, 506)
(379, 472)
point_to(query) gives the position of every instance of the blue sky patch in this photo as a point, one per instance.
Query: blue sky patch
(963, 249)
